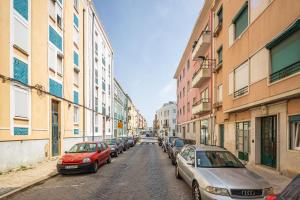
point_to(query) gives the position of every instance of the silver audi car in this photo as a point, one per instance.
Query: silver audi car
(214, 173)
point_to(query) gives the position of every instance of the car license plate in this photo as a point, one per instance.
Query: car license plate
(71, 167)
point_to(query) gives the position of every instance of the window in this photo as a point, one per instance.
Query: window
(21, 101)
(76, 78)
(174, 121)
(204, 132)
(52, 11)
(220, 55)
(174, 110)
(75, 36)
(59, 16)
(20, 31)
(76, 4)
(76, 115)
(188, 127)
(55, 38)
(75, 21)
(204, 95)
(194, 127)
(59, 65)
(240, 21)
(188, 107)
(242, 140)
(285, 57)
(55, 88)
(96, 48)
(75, 97)
(20, 71)
(75, 59)
(183, 109)
(183, 91)
(183, 72)
(220, 93)
(21, 6)
(294, 132)
(241, 80)
(188, 86)
(220, 16)
(188, 65)
(96, 76)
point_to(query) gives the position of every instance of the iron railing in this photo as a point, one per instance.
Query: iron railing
(203, 100)
(287, 71)
(241, 91)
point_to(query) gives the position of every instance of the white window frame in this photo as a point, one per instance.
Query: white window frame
(76, 115)
(296, 148)
(20, 19)
(25, 91)
(78, 80)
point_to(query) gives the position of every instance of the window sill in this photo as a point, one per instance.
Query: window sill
(20, 49)
(76, 45)
(294, 150)
(76, 123)
(22, 119)
(235, 98)
(60, 74)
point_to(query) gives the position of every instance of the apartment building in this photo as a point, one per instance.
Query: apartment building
(194, 82)
(120, 111)
(166, 119)
(98, 79)
(43, 70)
(257, 82)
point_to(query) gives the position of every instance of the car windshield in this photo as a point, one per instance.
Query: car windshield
(83, 147)
(217, 159)
(179, 143)
(171, 139)
(110, 142)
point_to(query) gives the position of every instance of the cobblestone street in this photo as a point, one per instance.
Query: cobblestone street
(143, 172)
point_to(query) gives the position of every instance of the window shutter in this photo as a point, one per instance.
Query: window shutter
(52, 9)
(59, 65)
(241, 20)
(75, 36)
(241, 76)
(21, 6)
(75, 21)
(55, 38)
(230, 83)
(76, 58)
(55, 88)
(20, 35)
(21, 98)
(52, 58)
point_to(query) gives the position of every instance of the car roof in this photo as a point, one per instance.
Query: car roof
(89, 142)
(202, 147)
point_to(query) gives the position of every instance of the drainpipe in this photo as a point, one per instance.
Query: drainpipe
(93, 77)
(84, 106)
(211, 81)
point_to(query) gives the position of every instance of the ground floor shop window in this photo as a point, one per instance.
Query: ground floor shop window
(294, 132)
(242, 140)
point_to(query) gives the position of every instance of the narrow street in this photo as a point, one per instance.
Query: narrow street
(143, 172)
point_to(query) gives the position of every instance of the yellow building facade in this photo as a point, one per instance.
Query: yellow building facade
(41, 79)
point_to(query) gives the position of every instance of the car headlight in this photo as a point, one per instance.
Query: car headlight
(268, 191)
(86, 160)
(59, 162)
(217, 191)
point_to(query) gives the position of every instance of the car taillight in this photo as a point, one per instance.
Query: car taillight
(270, 197)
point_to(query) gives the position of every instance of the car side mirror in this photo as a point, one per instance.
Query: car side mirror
(66, 151)
(191, 162)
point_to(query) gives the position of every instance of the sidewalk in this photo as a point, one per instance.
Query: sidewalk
(24, 177)
(277, 181)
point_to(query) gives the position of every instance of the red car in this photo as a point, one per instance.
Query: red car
(84, 157)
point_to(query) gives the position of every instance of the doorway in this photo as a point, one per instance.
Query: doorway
(55, 129)
(221, 129)
(183, 132)
(268, 141)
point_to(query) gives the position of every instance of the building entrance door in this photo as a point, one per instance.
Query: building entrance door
(221, 128)
(268, 141)
(55, 128)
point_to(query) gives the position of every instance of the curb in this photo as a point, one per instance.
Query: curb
(29, 185)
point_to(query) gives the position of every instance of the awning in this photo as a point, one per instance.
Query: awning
(289, 31)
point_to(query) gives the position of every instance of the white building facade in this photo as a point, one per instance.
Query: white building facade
(166, 117)
(98, 79)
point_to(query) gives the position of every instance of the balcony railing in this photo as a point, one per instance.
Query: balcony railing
(199, 76)
(287, 71)
(202, 45)
(241, 91)
(201, 106)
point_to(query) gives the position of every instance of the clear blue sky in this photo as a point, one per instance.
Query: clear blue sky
(148, 38)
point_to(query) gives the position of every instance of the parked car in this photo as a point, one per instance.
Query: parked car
(115, 145)
(168, 142)
(84, 157)
(175, 148)
(160, 141)
(125, 142)
(130, 141)
(291, 192)
(215, 173)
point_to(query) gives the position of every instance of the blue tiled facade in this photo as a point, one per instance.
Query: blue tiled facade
(75, 58)
(20, 71)
(76, 21)
(20, 131)
(21, 6)
(76, 131)
(55, 38)
(55, 88)
(76, 97)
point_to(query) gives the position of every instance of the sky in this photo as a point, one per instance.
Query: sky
(148, 38)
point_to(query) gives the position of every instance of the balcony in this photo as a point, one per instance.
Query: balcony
(200, 76)
(241, 92)
(201, 106)
(202, 45)
(285, 72)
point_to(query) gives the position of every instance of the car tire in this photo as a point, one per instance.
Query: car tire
(95, 166)
(177, 173)
(173, 161)
(196, 191)
(109, 160)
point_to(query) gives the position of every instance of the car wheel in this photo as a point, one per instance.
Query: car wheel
(95, 166)
(173, 161)
(196, 191)
(109, 160)
(177, 173)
